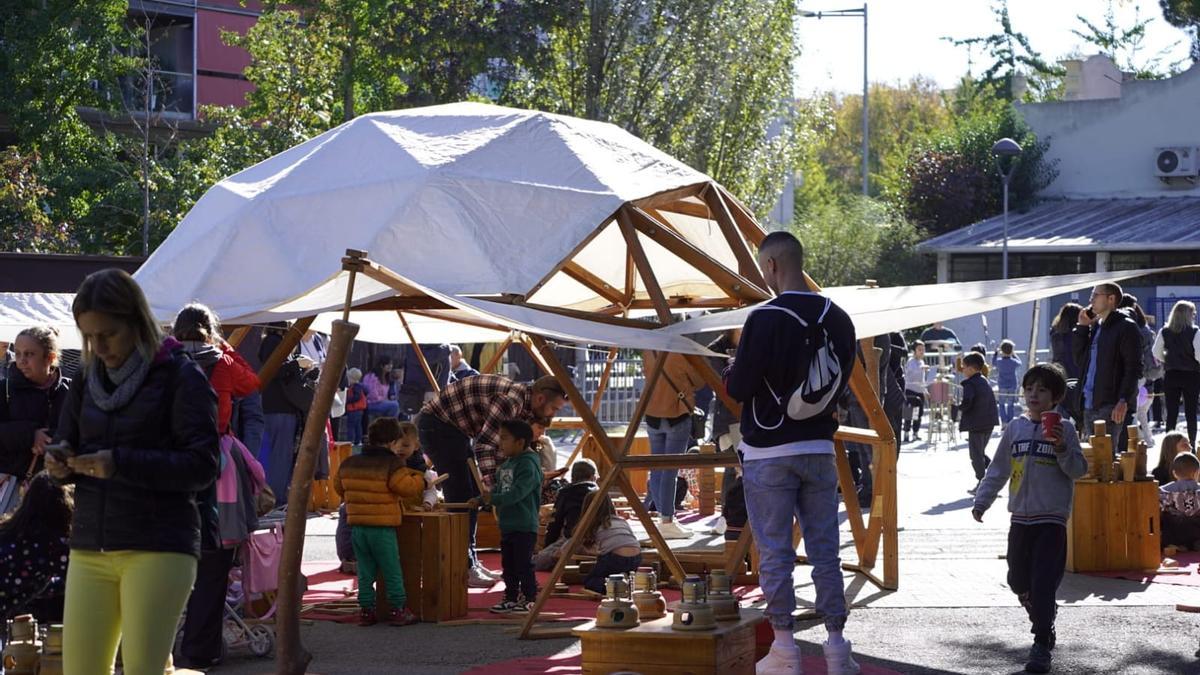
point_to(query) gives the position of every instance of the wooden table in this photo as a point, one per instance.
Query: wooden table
(1114, 527)
(641, 446)
(653, 648)
(433, 553)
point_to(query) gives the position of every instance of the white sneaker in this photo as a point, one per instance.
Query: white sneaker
(672, 530)
(491, 574)
(780, 661)
(838, 660)
(720, 526)
(476, 579)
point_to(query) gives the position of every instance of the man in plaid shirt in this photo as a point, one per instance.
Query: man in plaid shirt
(470, 411)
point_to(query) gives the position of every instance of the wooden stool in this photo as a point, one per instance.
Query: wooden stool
(1114, 527)
(433, 553)
(653, 648)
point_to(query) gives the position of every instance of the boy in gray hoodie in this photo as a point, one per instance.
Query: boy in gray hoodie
(1040, 459)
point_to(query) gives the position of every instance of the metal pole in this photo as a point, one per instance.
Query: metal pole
(866, 180)
(1004, 261)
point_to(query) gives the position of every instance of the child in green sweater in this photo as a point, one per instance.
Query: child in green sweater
(516, 496)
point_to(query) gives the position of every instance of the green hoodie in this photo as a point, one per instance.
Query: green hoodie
(517, 493)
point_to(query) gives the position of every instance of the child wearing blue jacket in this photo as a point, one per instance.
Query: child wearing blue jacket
(1007, 364)
(1040, 459)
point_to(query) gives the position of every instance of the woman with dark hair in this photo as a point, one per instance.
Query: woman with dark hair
(1178, 346)
(1060, 338)
(30, 403)
(377, 382)
(34, 550)
(139, 440)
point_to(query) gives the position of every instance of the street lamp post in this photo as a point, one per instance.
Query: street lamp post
(1005, 149)
(856, 11)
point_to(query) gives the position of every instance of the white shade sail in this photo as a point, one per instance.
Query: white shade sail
(19, 311)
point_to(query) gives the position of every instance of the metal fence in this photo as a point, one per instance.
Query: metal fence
(625, 385)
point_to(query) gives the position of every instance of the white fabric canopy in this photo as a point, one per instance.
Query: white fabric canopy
(466, 198)
(876, 311)
(19, 311)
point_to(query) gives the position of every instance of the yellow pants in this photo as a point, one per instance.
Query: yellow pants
(131, 597)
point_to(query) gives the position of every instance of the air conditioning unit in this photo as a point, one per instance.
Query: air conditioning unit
(1175, 162)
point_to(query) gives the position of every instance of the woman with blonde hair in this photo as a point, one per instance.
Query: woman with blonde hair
(31, 399)
(138, 439)
(1177, 346)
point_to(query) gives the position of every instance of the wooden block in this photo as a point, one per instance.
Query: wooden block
(433, 554)
(653, 648)
(707, 481)
(1114, 527)
(487, 531)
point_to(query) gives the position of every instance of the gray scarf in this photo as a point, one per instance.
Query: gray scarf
(128, 378)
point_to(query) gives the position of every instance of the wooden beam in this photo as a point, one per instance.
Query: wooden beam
(853, 511)
(670, 196)
(469, 320)
(589, 316)
(630, 278)
(747, 265)
(403, 303)
(495, 360)
(603, 384)
(534, 354)
(686, 461)
(732, 283)
(611, 477)
(746, 222)
(594, 283)
(703, 367)
(693, 209)
(643, 267)
(238, 334)
(682, 302)
(420, 353)
(570, 256)
(291, 338)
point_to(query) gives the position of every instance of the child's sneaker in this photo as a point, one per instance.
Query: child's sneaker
(520, 607)
(366, 616)
(476, 579)
(503, 607)
(838, 660)
(1040, 659)
(780, 661)
(402, 617)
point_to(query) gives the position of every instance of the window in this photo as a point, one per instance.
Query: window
(165, 82)
(985, 266)
(1153, 259)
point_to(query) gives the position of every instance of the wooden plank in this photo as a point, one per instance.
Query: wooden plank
(706, 482)
(853, 512)
(238, 334)
(674, 461)
(596, 284)
(655, 647)
(495, 360)
(589, 316)
(736, 560)
(402, 302)
(645, 271)
(732, 283)
(420, 353)
(747, 224)
(534, 354)
(460, 318)
(687, 302)
(747, 265)
(670, 196)
(687, 208)
(291, 338)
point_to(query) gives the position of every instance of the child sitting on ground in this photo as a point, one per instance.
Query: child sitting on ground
(1180, 503)
(34, 551)
(378, 487)
(977, 413)
(1041, 466)
(568, 505)
(356, 406)
(1172, 444)
(611, 540)
(516, 496)
(1007, 364)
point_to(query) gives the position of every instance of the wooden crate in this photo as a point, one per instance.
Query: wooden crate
(323, 497)
(640, 478)
(653, 648)
(433, 553)
(487, 531)
(1114, 527)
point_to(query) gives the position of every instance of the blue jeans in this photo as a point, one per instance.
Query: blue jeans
(1007, 404)
(670, 439)
(610, 563)
(802, 487)
(383, 409)
(354, 426)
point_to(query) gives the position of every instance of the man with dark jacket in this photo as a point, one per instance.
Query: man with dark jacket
(788, 465)
(1108, 351)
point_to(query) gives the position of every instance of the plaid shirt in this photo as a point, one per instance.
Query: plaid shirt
(476, 406)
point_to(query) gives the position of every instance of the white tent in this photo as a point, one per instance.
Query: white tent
(19, 311)
(876, 311)
(467, 198)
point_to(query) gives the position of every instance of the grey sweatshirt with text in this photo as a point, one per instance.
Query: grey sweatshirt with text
(1041, 482)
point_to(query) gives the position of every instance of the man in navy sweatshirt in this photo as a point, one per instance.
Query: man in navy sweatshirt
(788, 464)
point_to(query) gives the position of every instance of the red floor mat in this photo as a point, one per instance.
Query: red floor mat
(1188, 561)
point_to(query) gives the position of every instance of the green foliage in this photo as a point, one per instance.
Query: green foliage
(954, 180)
(1184, 14)
(1125, 45)
(1010, 54)
(846, 239)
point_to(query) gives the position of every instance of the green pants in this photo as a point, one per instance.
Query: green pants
(131, 597)
(377, 553)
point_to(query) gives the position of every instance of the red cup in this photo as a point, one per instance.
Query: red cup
(1049, 421)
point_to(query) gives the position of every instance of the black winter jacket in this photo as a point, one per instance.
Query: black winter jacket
(25, 408)
(1118, 360)
(165, 445)
(568, 507)
(977, 412)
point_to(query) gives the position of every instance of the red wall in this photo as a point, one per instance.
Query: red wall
(215, 58)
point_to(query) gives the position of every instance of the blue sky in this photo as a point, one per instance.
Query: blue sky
(905, 37)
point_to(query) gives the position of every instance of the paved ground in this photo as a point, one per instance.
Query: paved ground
(952, 613)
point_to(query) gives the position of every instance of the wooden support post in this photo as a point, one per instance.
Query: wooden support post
(420, 353)
(642, 263)
(603, 384)
(495, 360)
(853, 511)
(533, 353)
(611, 477)
(707, 481)
(238, 334)
(747, 265)
(291, 338)
(737, 557)
(291, 657)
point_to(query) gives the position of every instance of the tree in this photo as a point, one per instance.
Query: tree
(1011, 54)
(1184, 14)
(1125, 45)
